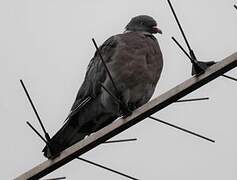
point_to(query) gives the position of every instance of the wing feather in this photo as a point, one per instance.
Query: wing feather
(96, 72)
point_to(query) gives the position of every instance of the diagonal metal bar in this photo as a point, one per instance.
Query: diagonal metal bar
(106, 68)
(41, 137)
(181, 47)
(120, 140)
(35, 111)
(125, 110)
(117, 94)
(106, 168)
(138, 115)
(182, 129)
(194, 99)
(197, 68)
(235, 6)
(182, 32)
(112, 95)
(59, 178)
(229, 77)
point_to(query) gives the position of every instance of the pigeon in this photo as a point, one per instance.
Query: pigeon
(134, 61)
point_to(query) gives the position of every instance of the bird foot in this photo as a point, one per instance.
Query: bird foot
(126, 111)
(51, 154)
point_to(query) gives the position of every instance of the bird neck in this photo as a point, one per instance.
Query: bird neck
(143, 32)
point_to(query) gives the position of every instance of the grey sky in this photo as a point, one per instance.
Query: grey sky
(48, 45)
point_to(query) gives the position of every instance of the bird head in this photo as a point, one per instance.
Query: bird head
(143, 23)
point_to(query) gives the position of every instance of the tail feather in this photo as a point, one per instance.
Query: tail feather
(90, 119)
(63, 139)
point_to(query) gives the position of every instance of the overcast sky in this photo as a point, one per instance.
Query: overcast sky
(47, 43)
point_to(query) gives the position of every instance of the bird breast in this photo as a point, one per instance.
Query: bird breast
(136, 66)
(138, 59)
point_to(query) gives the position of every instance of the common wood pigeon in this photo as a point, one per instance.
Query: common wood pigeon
(135, 62)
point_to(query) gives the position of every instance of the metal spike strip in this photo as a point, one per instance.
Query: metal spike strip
(106, 168)
(183, 34)
(182, 129)
(179, 45)
(191, 56)
(36, 113)
(190, 132)
(138, 115)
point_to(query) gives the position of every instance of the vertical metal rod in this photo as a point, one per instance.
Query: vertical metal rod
(28, 123)
(109, 169)
(182, 129)
(106, 68)
(36, 113)
(182, 32)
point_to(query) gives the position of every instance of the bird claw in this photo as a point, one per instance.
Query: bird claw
(125, 111)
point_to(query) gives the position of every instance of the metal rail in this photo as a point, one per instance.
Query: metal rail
(138, 115)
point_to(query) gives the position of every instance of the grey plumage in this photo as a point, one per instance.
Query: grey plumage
(135, 62)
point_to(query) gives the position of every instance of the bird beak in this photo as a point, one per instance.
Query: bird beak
(156, 30)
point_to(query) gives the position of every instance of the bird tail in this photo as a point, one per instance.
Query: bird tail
(88, 120)
(64, 138)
